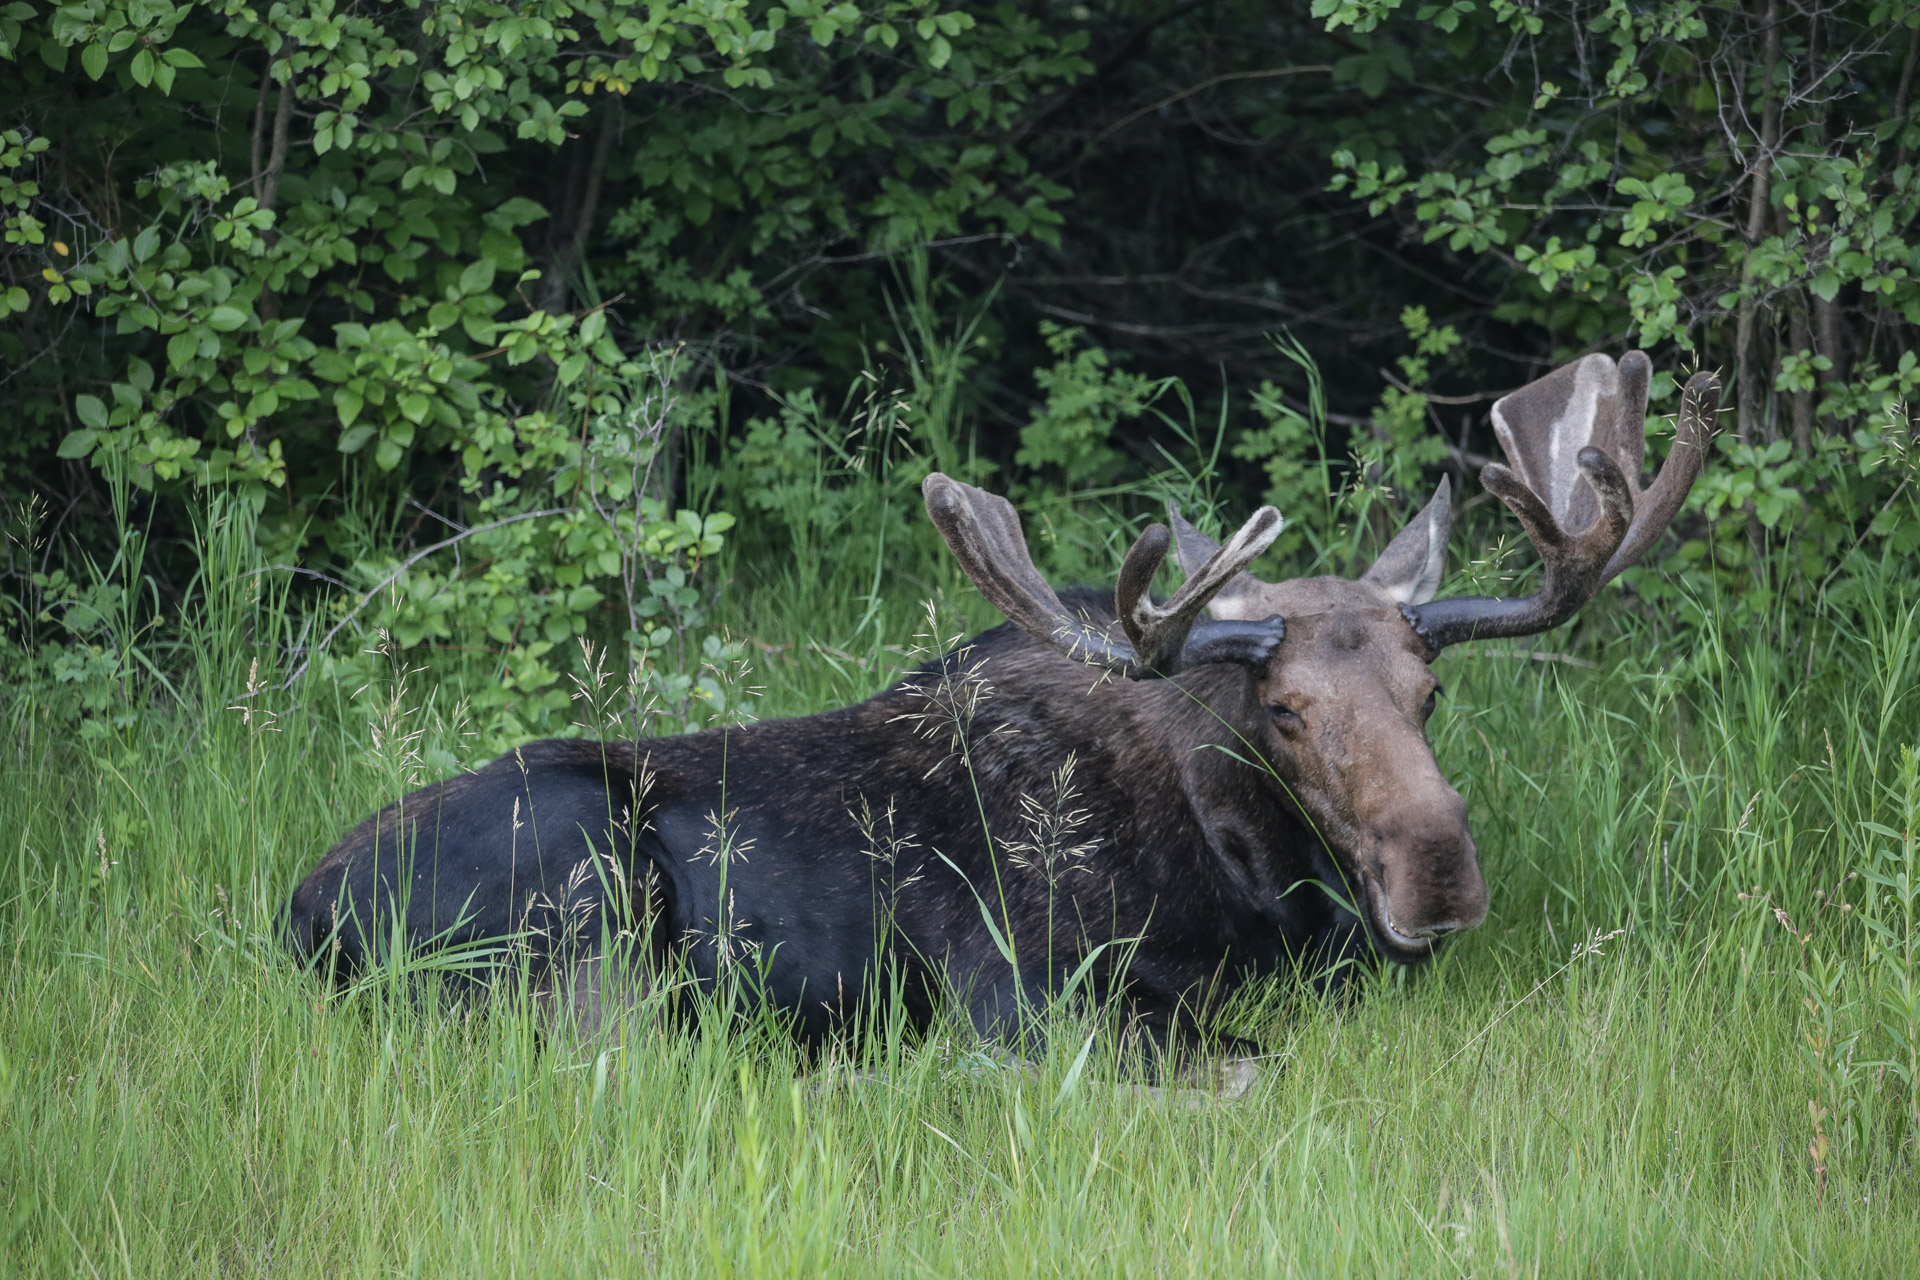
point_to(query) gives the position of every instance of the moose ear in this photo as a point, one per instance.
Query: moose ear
(1409, 570)
(1193, 549)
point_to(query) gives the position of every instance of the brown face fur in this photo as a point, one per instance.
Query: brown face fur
(1347, 697)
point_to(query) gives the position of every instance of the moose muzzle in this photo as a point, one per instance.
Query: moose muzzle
(1422, 880)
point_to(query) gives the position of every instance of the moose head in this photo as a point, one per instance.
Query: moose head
(1342, 668)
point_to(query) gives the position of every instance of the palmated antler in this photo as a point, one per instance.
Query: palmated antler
(1576, 440)
(984, 533)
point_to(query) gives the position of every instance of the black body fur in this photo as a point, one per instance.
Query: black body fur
(1199, 856)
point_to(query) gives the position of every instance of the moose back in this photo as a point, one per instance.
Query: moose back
(1233, 784)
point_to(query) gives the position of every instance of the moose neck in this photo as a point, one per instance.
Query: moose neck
(1214, 844)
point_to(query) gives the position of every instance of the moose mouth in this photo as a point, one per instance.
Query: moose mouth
(1387, 937)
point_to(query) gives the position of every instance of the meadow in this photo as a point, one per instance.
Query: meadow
(1683, 1043)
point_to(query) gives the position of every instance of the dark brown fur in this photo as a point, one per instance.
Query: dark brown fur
(1201, 856)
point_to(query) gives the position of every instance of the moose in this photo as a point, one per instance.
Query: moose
(1230, 784)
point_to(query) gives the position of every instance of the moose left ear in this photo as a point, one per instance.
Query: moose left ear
(1238, 600)
(1409, 570)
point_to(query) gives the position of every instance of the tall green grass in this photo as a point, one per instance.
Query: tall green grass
(1676, 1046)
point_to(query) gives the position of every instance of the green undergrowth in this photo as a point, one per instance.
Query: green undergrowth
(1678, 1045)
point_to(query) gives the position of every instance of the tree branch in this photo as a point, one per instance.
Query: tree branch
(405, 565)
(260, 126)
(1188, 92)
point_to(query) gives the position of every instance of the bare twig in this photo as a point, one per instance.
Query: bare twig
(1431, 398)
(1267, 73)
(405, 565)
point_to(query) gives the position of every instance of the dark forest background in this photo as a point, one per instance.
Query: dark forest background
(499, 322)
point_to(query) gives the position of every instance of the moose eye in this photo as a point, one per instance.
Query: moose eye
(1284, 716)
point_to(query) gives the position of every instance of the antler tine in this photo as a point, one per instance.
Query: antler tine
(1161, 632)
(983, 531)
(1655, 508)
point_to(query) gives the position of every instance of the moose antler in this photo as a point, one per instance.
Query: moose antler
(984, 533)
(1584, 422)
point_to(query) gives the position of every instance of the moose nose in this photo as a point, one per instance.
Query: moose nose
(1430, 874)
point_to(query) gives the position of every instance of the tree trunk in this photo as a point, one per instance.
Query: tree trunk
(266, 174)
(1802, 402)
(1902, 97)
(1752, 381)
(573, 224)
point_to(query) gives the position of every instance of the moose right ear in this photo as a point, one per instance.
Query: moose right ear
(1409, 570)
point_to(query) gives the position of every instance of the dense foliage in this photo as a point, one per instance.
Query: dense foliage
(395, 271)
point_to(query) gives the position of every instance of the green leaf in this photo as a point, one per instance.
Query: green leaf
(91, 410)
(415, 405)
(181, 348)
(478, 277)
(142, 68)
(93, 60)
(516, 212)
(226, 319)
(355, 440)
(177, 57)
(348, 403)
(78, 444)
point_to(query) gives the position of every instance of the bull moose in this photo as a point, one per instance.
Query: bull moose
(1235, 782)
